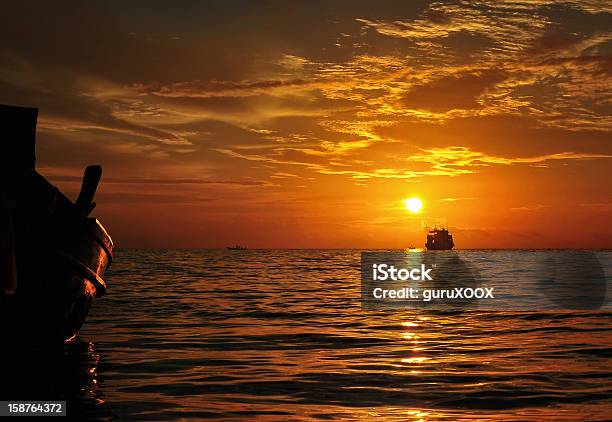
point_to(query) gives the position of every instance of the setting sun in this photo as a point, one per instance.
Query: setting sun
(414, 205)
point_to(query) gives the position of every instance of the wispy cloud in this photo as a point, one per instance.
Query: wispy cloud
(454, 161)
(536, 207)
(455, 199)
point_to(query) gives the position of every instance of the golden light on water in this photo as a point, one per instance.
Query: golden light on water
(414, 205)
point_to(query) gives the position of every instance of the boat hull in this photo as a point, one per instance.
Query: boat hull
(59, 274)
(439, 248)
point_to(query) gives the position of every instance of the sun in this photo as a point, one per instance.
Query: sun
(413, 205)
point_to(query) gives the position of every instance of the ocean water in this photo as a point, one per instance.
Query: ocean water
(281, 335)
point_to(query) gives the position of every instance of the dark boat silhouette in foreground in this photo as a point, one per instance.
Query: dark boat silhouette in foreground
(236, 248)
(439, 240)
(52, 254)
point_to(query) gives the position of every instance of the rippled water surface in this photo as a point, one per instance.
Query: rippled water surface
(281, 335)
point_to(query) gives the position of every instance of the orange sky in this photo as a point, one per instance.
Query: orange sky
(306, 124)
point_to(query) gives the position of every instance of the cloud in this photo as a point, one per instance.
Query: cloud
(281, 175)
(160, 181)
(148, 198)
(447, 161)
(541, 63)
(512, 26)
(536, 207)
(293, 63)
(454, 199)
(212, 89)
(458, 91)
(454, 161)
(599, 206)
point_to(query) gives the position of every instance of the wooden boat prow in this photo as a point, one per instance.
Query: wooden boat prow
(53, 255)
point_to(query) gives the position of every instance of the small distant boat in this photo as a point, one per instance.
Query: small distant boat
(236, 248)
(439, 240)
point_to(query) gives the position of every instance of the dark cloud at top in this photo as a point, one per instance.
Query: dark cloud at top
(165, 42)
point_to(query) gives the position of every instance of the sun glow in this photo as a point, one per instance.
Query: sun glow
(413, 205)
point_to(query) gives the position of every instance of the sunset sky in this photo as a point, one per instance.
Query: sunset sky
(306, 124)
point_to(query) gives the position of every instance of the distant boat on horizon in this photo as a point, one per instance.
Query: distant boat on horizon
(236, 248)
(439, 240)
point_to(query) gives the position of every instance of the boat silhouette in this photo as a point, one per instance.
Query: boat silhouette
(439, 239)
(236, 248)
(52, 254)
